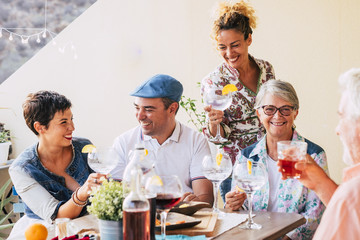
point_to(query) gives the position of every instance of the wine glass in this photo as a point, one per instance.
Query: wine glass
(213, 96)
(168, 192)
(102, 159)
(217, 170)
(250, 176)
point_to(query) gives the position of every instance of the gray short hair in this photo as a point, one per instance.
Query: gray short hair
(350, 85)
(278, 88)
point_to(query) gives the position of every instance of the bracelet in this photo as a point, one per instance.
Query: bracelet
(76, 196)
(73, 196)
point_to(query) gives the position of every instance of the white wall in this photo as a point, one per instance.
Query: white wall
(121, 43)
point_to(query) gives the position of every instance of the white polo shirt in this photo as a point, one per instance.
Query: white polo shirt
(181, 154)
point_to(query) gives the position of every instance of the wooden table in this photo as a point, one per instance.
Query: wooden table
(274, 225)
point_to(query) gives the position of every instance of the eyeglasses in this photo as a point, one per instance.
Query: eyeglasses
(285, 110)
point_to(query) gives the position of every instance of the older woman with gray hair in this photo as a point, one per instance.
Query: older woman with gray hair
(277, 107)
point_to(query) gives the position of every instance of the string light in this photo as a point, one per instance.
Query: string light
(25, 38)
(43, 32)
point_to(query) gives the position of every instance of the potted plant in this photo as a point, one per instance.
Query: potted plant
(5, 142)
(4, 216)
(106, 205)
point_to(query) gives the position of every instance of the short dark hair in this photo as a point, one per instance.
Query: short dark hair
(42, 106)
(167, 102)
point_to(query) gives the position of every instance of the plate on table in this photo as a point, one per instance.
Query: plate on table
(189, 208)
(177, 221)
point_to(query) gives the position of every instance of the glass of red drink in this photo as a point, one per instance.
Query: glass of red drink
(168, 190)
(289, 153)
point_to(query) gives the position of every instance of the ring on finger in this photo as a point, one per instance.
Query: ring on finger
(95, 180)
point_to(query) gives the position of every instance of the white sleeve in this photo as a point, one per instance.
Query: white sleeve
(201, 149)
(36, 197)
(119, 146)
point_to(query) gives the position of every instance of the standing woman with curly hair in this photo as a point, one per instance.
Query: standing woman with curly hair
(232, 31)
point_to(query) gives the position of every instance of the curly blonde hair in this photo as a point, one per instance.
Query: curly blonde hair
(238, 15)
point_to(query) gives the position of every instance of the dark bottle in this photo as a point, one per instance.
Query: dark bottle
(136, 211)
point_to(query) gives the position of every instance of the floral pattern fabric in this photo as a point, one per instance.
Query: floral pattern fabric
(241, 125)
(292, 195)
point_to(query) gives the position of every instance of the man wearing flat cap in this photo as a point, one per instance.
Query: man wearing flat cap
(178, 149)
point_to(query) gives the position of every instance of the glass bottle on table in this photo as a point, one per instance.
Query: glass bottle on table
(136, 211)
(143, 159)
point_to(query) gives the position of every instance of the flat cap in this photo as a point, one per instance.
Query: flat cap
(159, 86)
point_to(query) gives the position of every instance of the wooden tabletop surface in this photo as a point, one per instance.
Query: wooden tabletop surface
(274, 225)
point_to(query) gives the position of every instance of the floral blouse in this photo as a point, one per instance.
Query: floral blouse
(241, 125)
(292, 195)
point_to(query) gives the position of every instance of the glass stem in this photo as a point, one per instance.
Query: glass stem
(163, 216)
(216, 190)
(218, 130)
(250, 220)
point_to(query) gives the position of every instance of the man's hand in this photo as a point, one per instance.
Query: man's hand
(188, 196)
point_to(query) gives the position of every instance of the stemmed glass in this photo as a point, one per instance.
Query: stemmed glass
(102, 159)
(250, 176)
(168, 192)
(214, 96)
(217, 170)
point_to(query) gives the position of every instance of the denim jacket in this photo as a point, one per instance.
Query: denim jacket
(293, 196)
(28, 165)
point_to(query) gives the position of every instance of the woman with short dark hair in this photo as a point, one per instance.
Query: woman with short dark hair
(52, 176)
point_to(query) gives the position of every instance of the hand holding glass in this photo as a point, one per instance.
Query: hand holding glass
(214, 96)
(250, 177)
(289, 153)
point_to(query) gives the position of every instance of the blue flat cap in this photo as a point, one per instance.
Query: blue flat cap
(159, 86)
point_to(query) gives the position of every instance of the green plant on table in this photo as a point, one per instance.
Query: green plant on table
(107, 200)
(3, 202)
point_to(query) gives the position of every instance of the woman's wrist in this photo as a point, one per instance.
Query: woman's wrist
(79, 196)
(77, 201)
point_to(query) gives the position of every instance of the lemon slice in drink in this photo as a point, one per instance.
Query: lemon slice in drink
(238, 189)
(249, 165)
(146, 152)
(88, 148)
(228, 89)
(219, 157)
(156, 180)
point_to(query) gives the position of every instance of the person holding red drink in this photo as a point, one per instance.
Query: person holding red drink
(277, 107)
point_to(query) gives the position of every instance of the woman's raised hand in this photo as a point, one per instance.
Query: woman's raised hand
(215, 117)
(93, 180)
